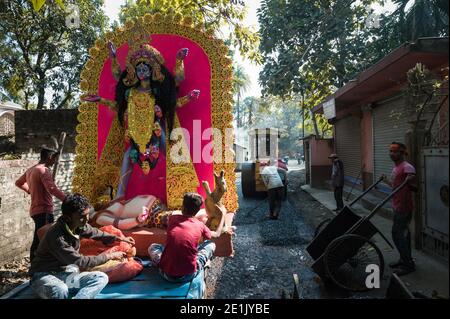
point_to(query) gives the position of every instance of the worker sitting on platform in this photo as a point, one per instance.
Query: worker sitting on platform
(182, 257)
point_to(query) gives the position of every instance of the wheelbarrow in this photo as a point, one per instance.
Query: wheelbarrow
(342, 248)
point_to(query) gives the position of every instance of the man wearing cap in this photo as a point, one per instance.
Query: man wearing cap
(403, 205)
(38, 182)
(337, 180)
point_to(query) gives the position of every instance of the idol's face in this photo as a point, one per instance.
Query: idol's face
(143, 71)
(158, 111)
(145, 167)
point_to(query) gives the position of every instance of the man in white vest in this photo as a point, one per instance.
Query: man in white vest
(270, 175)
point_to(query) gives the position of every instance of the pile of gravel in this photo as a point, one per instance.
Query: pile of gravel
(13, 274)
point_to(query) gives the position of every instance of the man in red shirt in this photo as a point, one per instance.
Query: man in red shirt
(403, 205)
(38, 182)
(182, 257)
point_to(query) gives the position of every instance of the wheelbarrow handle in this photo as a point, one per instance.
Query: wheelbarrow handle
(374, 211)
(395, 191)
(366, 191)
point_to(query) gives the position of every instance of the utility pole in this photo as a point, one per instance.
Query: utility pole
(303, 124)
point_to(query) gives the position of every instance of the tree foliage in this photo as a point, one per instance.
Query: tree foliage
(314, 47)
(274, 112)
(241, 83)
(409, 21)
(41, 55)
(211, 14)
(299, 38)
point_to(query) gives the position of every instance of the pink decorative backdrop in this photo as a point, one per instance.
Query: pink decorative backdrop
(198, 76)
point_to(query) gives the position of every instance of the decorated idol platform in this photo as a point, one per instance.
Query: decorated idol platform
(155, 121)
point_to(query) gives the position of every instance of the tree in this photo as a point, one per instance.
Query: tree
(42, 54)
(410, 20)
(210, 14)
(333, 40)
(250, 107)
(241, 83)
(312, 48)
(274, 112)
(325, 38)
(423, 19)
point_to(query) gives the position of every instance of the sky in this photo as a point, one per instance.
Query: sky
(112, 8)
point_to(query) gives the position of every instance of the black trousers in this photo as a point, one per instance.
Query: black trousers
(39, 221)
(338, 191)
(275, 197)
(402, 237)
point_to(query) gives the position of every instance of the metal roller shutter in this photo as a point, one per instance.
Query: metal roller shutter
(390, 123)
(348, 145)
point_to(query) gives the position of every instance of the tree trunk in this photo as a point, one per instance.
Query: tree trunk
(250, 114)
(41, 96)
(26, 106)
(238, 116)
(66, 99)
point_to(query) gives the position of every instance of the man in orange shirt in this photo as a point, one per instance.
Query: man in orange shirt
(38, 182)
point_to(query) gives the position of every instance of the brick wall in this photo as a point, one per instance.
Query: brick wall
(16, 227)
(35, 128)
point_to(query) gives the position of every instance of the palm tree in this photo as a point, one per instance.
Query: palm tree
(241, 83)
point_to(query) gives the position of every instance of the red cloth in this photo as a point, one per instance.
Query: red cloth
(124, 271)
(403, 201)
(91, 247)
(180, 253)
(38, 182)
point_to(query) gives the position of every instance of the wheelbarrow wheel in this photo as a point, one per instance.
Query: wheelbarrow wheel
(321, 226)
(346, 259)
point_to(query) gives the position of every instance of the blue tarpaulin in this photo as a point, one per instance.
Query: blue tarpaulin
(147, 285)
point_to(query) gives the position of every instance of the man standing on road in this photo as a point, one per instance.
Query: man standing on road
(403, 205)
(337, 180)
(275, 187)
(38, 182)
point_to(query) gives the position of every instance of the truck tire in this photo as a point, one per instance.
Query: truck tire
(248, 181)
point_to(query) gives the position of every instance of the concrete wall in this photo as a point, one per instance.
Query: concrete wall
(16, 226)
(35, 128)
(320, 149)
(319, 163)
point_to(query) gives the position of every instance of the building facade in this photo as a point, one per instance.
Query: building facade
(375, 109)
